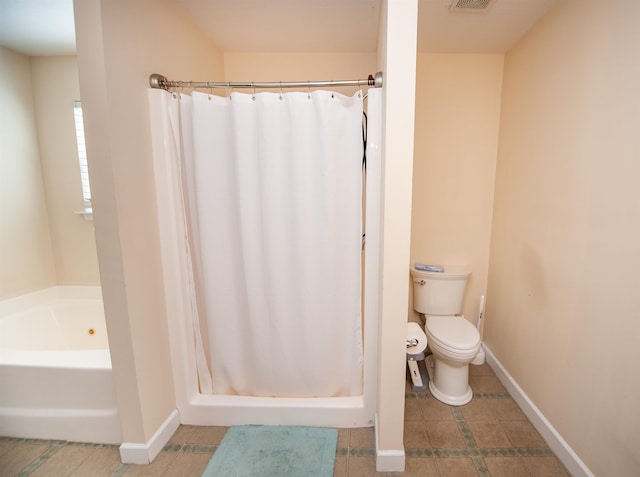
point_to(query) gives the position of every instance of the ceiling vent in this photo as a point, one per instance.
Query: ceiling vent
(471, 6)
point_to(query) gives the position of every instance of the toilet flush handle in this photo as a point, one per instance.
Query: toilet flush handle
(419, 282)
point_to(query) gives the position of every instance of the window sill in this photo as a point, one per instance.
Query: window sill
(87, 214)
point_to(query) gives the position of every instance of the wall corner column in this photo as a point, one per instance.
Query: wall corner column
(397, 56)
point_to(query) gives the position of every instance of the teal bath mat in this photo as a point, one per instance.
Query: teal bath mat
(266, 451)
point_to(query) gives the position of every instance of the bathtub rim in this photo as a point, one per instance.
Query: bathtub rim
(15, 304)
(99, 358)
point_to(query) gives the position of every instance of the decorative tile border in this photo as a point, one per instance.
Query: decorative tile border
(471, 451)
(55, 447)
(479, 453)
(354, 452)
(476, 395)
(199, 448)
(59, 443)
(481, 467)
(469, 440)
(25, 440)
(172, 447)
(118, 471)
(491, 395)
(89, 444)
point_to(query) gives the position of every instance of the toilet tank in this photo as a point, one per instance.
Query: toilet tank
(439, 293)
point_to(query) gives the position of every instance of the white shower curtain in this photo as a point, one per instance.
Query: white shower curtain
(273, 183)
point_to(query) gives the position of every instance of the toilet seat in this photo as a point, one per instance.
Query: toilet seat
(452, 333)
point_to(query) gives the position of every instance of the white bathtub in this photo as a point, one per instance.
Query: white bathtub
(55, 367)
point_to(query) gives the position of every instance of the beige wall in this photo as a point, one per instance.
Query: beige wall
(456, 148)
(55, 88)
(43, 242)
(26, 256)
(299, 67)
(562, 305)
(119, 44)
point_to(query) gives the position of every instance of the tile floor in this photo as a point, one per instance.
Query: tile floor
(489, 437)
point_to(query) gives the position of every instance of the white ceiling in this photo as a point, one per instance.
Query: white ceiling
(38, 27)
(45, 27)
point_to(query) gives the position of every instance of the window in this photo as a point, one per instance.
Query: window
(82, 159)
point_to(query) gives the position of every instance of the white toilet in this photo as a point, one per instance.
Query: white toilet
(453, 340)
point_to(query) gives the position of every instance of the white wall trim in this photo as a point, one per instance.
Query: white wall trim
(134, 453)
(388, 460)
(558, 445)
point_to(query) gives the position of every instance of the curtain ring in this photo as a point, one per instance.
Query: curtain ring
(254, 91)
(281, 91)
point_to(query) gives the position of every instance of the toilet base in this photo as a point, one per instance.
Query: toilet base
(448, 384)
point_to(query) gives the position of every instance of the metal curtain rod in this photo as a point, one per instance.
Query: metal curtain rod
(160, 82)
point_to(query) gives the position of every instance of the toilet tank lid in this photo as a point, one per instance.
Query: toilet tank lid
(450, 272)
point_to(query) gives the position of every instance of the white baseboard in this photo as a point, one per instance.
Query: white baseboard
(558, 445)
(388, 460)
(135, 453)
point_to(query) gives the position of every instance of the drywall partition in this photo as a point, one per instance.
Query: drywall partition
(397, 56)
(456, 148)
(74, 245)
(562, 304)
(119, 44)
(26, 256)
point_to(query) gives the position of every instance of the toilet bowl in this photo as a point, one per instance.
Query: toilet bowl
(454, 342)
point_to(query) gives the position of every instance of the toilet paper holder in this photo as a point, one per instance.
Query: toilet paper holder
(412, 342)
(416, 345)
